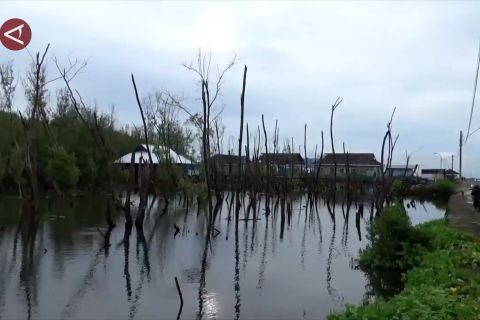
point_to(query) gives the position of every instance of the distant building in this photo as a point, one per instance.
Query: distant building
(283, 164)
(433, 174)
(159, 154)
(451, 174)
(312, 165)
(361, 164)
(402, 170)
(226, 164)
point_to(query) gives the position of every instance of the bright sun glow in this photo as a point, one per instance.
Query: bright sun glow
(215, 32)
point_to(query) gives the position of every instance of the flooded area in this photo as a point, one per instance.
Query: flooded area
(61, 268)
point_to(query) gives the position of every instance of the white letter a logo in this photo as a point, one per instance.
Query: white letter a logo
(8, 34)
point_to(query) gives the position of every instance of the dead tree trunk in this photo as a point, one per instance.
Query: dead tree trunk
(239, 183)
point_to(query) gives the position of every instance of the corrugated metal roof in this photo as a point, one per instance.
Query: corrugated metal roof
(366, 159)
(141, 155)
(226, 158)
(282, 158)
(402, 166)
(433, 171)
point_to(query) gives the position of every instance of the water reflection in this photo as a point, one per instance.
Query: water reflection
(66, 264)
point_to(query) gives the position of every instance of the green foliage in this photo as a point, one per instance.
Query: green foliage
(397, 186)
(395, 244)
(444, 188)
(445, 284)
(62, 168)
(71, 134)
(170, 178)
(3, 166)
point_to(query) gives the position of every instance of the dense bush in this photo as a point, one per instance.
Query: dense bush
(444, 188)
(3, 166)
(395, 243)
(445, 285)
(70, 133)
(397, 187)
(62, 167)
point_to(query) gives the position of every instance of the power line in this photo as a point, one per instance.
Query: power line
(473, 99)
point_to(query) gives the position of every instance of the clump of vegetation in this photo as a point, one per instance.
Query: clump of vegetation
(62, 167)
(444, 285)
(441, 190)
(395, 243)
(444, 188)
(170, 178)
(397, 187)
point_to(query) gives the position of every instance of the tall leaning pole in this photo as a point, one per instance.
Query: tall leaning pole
(462, 141)
(460, 155)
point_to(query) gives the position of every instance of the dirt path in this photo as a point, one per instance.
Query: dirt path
(461, 214)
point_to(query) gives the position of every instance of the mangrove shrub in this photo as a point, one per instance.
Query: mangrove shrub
(62, 167)
(444, 188)
(444, 285)
(395, 243)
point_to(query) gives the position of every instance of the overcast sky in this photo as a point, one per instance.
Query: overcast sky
(417, 56)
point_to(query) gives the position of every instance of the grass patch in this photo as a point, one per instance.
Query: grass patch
(445, 284)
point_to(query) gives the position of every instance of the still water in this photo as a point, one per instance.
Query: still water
(61, 267)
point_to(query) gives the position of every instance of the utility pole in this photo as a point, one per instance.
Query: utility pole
(460, 156)
(440, 156)
(452, 161)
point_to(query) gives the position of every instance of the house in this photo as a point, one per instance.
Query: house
(283, 164)
(451, 174)
(159, 154)
(360, 164)
(433, 174)
(226, 164)
(402, 170)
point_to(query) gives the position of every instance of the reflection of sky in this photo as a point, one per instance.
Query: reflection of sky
(279, 279)
(423, 212)
(211, 305)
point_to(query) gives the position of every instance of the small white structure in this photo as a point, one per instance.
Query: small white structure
(433, 174)
(159, 154)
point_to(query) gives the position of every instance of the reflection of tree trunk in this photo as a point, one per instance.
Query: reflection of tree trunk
(202, 291)
(319, 229)
(106, 244)
(357, 224)
(126, 253)
(331, 291)
(145, 182)
(218, 208)
(236, 281)
(28, 272)
(282, 217)
(144, 271)
(142, 243)
(109, 219)
(263, 264)
(304, 238)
